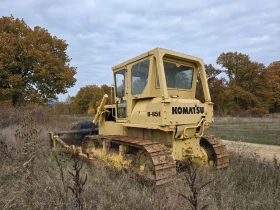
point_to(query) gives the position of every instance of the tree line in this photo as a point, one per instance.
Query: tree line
(248, 87)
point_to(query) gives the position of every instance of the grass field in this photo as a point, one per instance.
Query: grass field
(32, 176)
(264, 130)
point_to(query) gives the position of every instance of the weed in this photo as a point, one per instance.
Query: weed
(79, 182)
(194, 185)
(65, 187)
(28, 134)
(4, 151)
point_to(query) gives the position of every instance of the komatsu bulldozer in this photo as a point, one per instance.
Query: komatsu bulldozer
(156, 122)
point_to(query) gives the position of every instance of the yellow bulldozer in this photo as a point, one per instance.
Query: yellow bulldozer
(156, 122)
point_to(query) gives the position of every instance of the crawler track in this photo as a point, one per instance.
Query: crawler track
(217, 151)
(147, 159)
(161, 168)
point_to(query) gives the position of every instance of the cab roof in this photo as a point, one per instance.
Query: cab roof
(161, 52)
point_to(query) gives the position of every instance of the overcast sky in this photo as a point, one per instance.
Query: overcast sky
(104, 33)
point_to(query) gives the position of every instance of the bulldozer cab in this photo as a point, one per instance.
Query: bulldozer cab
(159, 77)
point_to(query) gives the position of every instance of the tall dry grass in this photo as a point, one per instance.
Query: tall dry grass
(245, 184)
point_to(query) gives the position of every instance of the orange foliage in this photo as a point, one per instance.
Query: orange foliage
(34, 65)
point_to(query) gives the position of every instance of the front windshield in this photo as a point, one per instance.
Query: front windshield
(178, 76)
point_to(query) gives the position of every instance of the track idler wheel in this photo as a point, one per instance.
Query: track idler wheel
(216, 151)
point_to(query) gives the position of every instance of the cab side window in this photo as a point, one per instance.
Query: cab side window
(139, 76)
(120, 83)
(120, 93)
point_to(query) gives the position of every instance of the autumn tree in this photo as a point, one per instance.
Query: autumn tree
(245, 88)
(34, 66)
(87, 99)
(211, 71)
(234, 64)
(82, 100)
(95, 101)
(272, 75)
(110, 92)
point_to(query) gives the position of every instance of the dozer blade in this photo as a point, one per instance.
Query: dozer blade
(77, 133)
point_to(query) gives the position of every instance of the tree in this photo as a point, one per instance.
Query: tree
(68, 104)
(69, 100)
(234, 62)
(246, 86)
(98, 94)
(88, 99)
(82, 99)
(273, 84)
(211, 71)
(35, 66)
(110, 92)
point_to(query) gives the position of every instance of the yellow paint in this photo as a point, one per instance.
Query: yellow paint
(111, 156)
(142, 168)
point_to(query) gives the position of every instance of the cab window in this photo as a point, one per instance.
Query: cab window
(139, 76)
(121, 109)
(120, 83)
(178, 76)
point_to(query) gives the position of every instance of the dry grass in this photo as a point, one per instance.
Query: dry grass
(246, 184)
(254, 130)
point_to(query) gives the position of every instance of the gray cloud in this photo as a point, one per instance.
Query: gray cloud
(102, 34)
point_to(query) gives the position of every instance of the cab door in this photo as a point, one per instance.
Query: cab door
(120, 93)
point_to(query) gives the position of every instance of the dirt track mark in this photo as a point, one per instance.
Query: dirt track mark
(260, 151)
